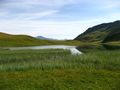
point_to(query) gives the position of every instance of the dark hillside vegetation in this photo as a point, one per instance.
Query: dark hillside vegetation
(113, 36)
(101, 33)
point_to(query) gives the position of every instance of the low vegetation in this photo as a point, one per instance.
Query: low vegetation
(59, 70)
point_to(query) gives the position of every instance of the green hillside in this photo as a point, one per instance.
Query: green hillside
(19, 40)
(113, 36)
(101, 33)
(7, 40)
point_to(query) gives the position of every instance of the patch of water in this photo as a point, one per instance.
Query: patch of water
(73, 49)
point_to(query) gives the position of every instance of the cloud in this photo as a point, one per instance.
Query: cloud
(3, 13)
(29, 16)
(108, 4)
(2, 1)
(31, 3)
(6, 15)
(58, 3)
(55, 18)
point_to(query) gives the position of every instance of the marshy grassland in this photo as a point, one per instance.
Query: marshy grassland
(59, 70)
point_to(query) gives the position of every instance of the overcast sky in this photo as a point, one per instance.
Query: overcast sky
(60, 19)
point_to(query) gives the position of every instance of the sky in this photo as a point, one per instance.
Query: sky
(59, 19)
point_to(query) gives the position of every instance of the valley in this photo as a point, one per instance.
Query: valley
(89, 62)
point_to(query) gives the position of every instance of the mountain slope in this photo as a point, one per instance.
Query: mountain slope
(113, 35)
(20, 40)
(101, 32)
(8, 40)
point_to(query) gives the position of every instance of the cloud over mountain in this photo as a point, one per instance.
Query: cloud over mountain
(40, 16)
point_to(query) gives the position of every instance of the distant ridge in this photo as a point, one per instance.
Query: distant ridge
(45, 38)
(101, 33)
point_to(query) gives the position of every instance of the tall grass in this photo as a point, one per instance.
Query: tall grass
(58, 59)
(59, 70)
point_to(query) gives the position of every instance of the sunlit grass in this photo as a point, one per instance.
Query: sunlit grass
(7, 40)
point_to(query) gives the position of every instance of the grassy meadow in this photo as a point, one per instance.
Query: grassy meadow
(59, 70)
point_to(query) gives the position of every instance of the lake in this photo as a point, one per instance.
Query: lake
(73, 49)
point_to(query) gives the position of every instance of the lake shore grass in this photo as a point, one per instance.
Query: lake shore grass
(58, 69)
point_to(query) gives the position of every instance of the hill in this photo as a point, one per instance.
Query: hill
(101, 33)
(113, 35)
(8, 40)
(20, 40)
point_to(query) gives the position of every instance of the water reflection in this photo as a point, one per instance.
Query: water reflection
(85, 48)
(111, 47)
(73, 49)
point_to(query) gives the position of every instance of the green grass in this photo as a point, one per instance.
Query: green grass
(58, 59)
(59, 70)
(74, 79)
(7, 40)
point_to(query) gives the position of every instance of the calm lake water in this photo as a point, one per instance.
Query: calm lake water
(73, 49)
